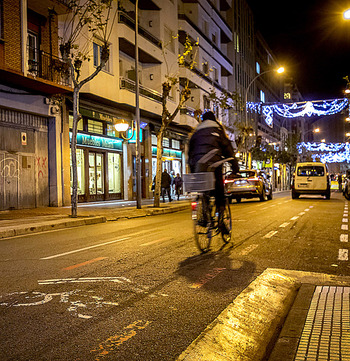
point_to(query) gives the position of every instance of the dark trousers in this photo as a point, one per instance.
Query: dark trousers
(164, 190)
(219, 190)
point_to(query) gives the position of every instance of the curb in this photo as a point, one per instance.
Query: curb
(246, 328)
(50, 225)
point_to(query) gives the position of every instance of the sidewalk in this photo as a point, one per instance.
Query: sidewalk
(25, 221)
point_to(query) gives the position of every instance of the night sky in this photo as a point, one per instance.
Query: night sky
(311, 39)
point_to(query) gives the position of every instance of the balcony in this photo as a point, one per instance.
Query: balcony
(144, 91)
(129, 20)
(47, 67)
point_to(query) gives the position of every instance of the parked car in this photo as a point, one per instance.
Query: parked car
(248, 184)
(311, 178)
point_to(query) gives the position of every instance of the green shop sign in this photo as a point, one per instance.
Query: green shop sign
(171, 153)
(98, 142)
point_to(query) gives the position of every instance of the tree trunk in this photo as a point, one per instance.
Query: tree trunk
(76, 117)
(157, 187)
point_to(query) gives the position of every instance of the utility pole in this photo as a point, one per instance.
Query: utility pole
(137, 111)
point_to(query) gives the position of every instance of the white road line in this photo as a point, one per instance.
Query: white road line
(270, 234)
(249, 249)
(294, 218)
(344, 238)
(285, 224)
(311, 207)
(156, 241)
(301, 213)
(85, 248)
(343, 255)
(306, 210)
(345, 220)
(344, 227)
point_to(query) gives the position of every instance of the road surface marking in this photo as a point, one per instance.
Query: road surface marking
(294, 218)
(83, 263)
(209, 276)
(83, 280)
(344, 238)
(344, 227)
(85, 248)
(285, 224)
(156, 241)
(311, 207)
(249, 249)
(343, 255)
(306, 210)
(270, 234)
(345, 220)
(301, 213)
(113, 342)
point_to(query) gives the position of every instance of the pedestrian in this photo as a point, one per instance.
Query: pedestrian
(165, 184)
(172, 184)
(178, 185)
(340, 181)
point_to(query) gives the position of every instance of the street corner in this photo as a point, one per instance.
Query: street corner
(244, 330)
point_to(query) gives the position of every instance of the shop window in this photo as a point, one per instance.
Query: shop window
(95, 126)
(175, 144)
(96, 173)
(111, 130)
(80, 123)
(80, 171)
(154, 139)
(114, 173)
(166, 142)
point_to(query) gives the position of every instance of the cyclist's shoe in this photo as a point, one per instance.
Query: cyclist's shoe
(202, 222)
(222, 226)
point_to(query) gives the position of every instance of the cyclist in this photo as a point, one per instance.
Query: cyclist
(209, 144)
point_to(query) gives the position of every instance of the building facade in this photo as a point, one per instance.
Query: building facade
(36, 105)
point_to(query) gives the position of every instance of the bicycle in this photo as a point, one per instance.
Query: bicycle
(204, 214)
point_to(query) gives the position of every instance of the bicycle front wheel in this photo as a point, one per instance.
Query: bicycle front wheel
(202, 225)
(226, 237)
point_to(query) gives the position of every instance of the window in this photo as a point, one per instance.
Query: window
(97, 49)
(95, 126)
(154, 139)
(114, 173)
(205, 67)
(80, 123)
(166, 142)
(308, 171)
(33, 52)
(111, 130)
(257, 68)
(175, 144)
(262, 96)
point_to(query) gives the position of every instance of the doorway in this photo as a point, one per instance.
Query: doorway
(96, 176)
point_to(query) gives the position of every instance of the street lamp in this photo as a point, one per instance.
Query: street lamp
(346, 14)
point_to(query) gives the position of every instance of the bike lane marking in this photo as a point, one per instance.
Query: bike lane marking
(156, 241)
(85, 248)
(83, 263)
(270, 234)
(112, 342)
(209, 276)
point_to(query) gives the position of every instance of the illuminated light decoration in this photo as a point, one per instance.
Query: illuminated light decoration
(327, 152)
(295, 110)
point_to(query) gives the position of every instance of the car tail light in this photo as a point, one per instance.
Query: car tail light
(193, 206)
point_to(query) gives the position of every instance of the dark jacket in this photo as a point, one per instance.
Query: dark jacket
(166, 180)
(208, 137)
(178, 182)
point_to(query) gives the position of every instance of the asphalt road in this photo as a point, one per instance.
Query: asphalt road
(139, 289)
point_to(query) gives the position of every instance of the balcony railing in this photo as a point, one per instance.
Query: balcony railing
(130, 22)
(146, 92)
(48, 67)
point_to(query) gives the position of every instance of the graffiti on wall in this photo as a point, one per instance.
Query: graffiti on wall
(42, 166)
(9, 169)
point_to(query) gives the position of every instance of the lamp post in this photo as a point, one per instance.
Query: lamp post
(137, 111)
(279, 71)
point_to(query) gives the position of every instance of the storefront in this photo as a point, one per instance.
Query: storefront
(172, 156)
(99, 161)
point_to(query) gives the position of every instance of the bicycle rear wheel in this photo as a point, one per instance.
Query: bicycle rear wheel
(226, 237)
(202, 224)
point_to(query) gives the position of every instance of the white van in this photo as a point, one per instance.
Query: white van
(311, 178)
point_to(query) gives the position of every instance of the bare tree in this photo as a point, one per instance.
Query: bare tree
(167, 117)
(87, 19)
